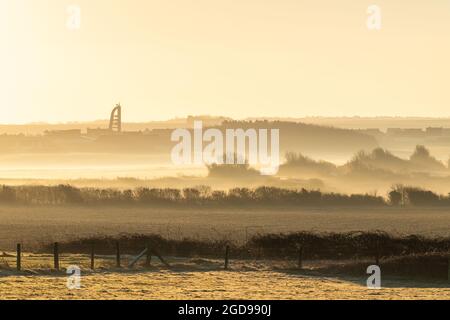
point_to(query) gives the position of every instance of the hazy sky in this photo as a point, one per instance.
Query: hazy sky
(239, 58)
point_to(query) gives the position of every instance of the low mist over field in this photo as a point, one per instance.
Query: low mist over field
(363, 160)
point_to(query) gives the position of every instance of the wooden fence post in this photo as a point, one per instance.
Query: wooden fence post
(300, 257)
(19, 257)
(56, 256)
(377, 253)
(118, 254)
(448, 268)
(93, 257)
(148, 259)
(227, 253)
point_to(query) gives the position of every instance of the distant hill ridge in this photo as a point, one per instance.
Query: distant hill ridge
(339, 122)
(297, 137)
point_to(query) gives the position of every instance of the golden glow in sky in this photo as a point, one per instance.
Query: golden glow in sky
(238, 58)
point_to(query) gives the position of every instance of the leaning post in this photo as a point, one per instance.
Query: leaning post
(227, 253)
(117, 254)
(19, 257)
(56, 255)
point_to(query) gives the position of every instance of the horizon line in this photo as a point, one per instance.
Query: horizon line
(273, 118)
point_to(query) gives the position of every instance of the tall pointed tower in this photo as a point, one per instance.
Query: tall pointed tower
(115, 123)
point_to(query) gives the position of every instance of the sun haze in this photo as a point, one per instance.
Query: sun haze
(164, 59)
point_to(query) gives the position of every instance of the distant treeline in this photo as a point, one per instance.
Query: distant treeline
(205, 196)
(202, 195)
(411, 196)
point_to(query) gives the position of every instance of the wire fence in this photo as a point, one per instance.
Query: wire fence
(144, 253)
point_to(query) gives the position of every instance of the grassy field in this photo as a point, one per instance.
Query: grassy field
(200, 279)
(34, 225)
(194, 238)
(211, 285)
